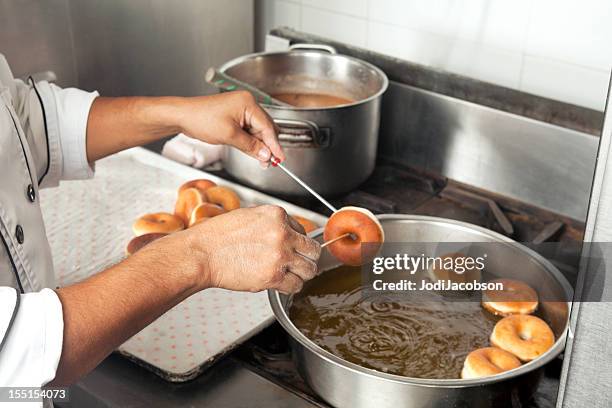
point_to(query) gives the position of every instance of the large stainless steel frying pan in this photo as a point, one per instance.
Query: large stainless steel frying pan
(344, 384)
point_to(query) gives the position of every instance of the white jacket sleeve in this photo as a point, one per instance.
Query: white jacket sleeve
(31, 333)
(55, 124)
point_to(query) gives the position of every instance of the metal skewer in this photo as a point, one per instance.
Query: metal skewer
(275, 162)
(331, 241)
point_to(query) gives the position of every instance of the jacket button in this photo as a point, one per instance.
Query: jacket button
(19, 234)
(31, 193)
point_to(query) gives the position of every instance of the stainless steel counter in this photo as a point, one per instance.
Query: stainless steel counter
(119, 383)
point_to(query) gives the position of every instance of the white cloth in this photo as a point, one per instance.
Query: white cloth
(192, 152)
(42, 141)
(33, 346)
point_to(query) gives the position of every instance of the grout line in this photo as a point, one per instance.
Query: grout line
(524, 45)
(341, 13)
(565, 62)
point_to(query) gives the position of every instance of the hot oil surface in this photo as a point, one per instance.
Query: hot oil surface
(311, 100)
(424, 336)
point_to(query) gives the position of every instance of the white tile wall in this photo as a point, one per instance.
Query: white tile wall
(561, 49)
(341, 27)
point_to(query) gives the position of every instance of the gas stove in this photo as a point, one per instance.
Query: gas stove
(394, 188)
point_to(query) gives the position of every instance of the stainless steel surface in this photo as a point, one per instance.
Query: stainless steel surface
(345, 138)
(542, 164)
(319, 47)
(345, 384)
(306, 186)
(300, 133)
(157, 47)
(138, 47)
(587, 372)
(117, 383)
(37, 36)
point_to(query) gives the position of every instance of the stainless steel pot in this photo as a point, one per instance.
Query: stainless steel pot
(344, 384)
(334, 148)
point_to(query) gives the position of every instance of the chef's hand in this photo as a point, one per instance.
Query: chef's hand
(232, 118)
(251, 249)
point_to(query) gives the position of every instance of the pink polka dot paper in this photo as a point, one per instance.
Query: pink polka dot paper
(89, 223)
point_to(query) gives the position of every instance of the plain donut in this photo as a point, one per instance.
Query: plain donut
(363, 226)
(200, 184)
(306, 223)
(488, 361)
(525, 336)
(188, 199)
(223, 196)
(203, 212)
(516, 298)
(157, 222)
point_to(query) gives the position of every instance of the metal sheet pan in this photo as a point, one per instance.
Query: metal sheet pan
(89, 223)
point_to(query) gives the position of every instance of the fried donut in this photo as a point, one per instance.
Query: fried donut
(363, 226)
(516, 298)
(488, 361)
(157, 222)
(141, 241)
(187, 200)
(200, 184)
(525, 336)
(447, 269)
(306, 223)
(203, 212)
(223, 196)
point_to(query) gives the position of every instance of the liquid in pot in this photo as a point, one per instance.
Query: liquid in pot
(311, 100)
(424, 336)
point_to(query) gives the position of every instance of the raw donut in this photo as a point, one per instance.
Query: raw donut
(442, 271)
(363, 226)
(223, 196)
(516, 298)
(200, 184)
(488, 361)
(525, 336)
(157, 222)
(306, 223)
(203, 212)
(187, 200)
(138, 242)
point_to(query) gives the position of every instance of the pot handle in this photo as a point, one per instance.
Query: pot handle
(318, 47)
(301, 133)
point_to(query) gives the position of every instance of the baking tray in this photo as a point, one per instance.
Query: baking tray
(89, 223)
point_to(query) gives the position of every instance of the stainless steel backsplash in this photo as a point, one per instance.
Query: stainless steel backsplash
(533, 149)
(536, 162)
(37, 36)
(145, 47)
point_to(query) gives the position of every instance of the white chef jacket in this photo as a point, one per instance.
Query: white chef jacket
(42, 141)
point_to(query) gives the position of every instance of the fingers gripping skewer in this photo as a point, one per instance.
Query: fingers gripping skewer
(276, 163)
(357, 224)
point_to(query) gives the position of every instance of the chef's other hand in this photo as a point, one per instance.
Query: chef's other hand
(232, 118)
(249, 249)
